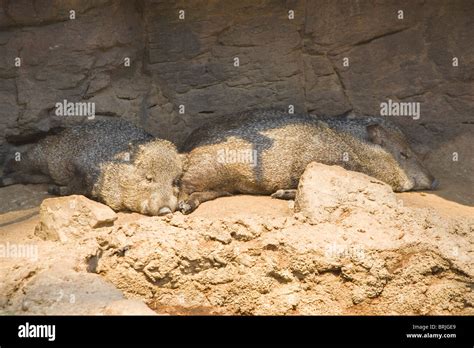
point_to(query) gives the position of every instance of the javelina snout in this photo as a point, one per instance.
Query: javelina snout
(148, 183)
(405, 172)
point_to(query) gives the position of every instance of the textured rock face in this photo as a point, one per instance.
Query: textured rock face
(190, 62)
(352, 249)
(71, 217)
(59, 290)
(367, 255)
(319, 201)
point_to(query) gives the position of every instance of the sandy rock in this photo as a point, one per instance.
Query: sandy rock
(128, 307)
(71, 217)
(351, 249)
(56, 291)
(403, 261)
(328, 191)
(300, 268)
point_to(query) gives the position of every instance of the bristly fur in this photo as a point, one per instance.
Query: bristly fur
(284, 144)
(112, 161)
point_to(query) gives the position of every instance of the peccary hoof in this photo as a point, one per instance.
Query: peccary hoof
(284, 194)
(185, 207)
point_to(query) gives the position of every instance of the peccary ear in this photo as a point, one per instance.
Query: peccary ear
(376, 133)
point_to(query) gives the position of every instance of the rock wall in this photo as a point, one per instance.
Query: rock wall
(190, 61)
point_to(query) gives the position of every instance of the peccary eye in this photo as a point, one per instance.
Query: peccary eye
(404, 155)
(176, 182)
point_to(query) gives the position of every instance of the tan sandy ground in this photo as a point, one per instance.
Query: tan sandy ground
(19, 207)
(19, 215)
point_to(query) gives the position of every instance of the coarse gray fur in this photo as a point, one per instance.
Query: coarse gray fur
(112, 161)
(284, 145)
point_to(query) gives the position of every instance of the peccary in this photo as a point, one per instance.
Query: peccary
(266, 152)
(111, 161)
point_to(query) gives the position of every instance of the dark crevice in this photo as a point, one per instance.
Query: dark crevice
(343, 49)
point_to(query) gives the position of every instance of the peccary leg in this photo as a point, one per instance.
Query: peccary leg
(22, 178)
(284, 194)
(59, 190)
(75, 186)
(197, 198)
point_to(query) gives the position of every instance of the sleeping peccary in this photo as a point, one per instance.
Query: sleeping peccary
(266, 152)
(111, 161)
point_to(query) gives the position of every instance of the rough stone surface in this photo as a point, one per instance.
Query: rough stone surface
(128, 307)
(65, 293)
(319, 201)
(369, 255)
(71, 217)
(57, 290)
(387, 260)
(190, 62)
(366, 257)
(53, 278)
